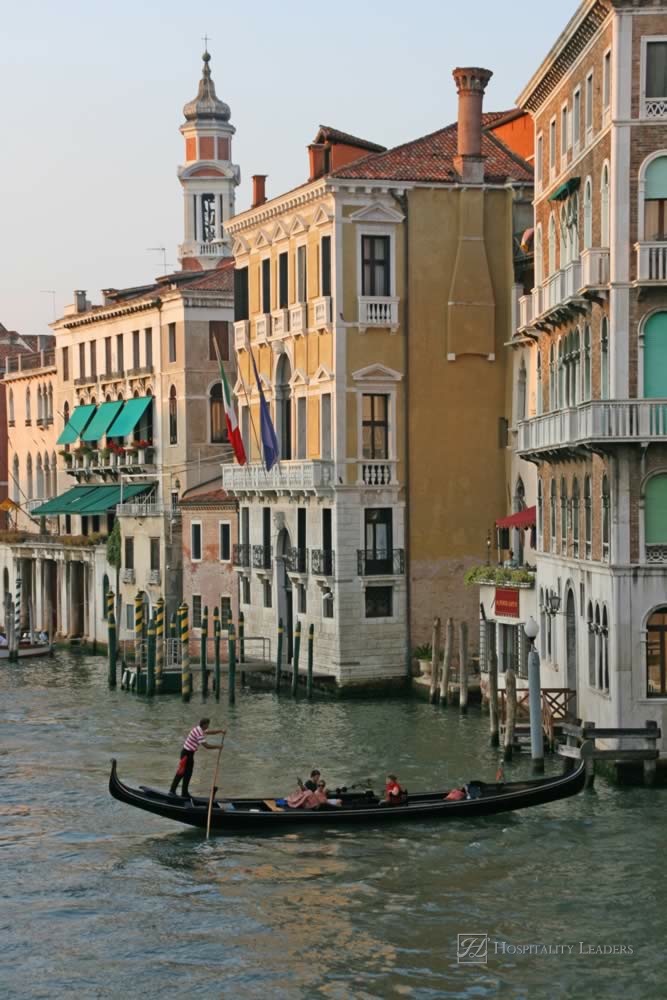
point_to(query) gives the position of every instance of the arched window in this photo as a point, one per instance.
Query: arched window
(575, 361)
(217, 414)
(65, 414)
(39, 404)
(47, 476)
(655, 518)
(573, 226)
(590, 623)
(587, 363)
(656, 654)
(552, 244)
(655, 356)
(16, 480)
(539, 257)
(540, 514)
(39, 479)
(604, 358)
(28, 413)
(553, 383)
(284, 406)
(563, 516)
(575, 518)
(588, 214)
(538, 381)
(552, 516)
(543, 624)
(588, 518)
(655, 200)
(598, 647)
(28, 476)
(521, 392)
(10, 407)
(49, 411)
(604, 207)
(562, 401)
(173, 416)
(605, 518)
(564, 242)
(604, 642)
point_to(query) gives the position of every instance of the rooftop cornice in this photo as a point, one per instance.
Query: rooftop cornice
(577, 34)
(105, 314)
(254, 217)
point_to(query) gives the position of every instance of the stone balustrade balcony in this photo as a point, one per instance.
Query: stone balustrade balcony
(603, 423)
(286, 477)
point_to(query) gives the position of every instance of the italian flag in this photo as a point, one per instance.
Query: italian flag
(230, 416)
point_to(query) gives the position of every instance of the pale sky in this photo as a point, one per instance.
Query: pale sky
(93, 96)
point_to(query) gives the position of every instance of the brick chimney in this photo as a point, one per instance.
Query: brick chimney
(258, 190)
(318, 160)
(471, 83)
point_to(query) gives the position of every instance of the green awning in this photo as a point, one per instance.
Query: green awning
(563, 191)
(89, 500)
(102, 419)
(129, 416)
(76, 424)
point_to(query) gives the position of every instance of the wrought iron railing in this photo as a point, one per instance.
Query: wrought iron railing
(241, 555)
(322, 562)
(380, 562)
(296, 560)
(261, 556)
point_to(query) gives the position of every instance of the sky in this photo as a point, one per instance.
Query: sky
(93, 96)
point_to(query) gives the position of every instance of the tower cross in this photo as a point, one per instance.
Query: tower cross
(206, 40)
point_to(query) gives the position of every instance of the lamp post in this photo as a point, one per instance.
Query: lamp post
(531, 629)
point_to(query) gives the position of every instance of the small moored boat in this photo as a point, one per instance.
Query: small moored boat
(28, 649)
(236, 814)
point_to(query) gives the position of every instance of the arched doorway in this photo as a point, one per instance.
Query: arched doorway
(571, 644)
(285, 605)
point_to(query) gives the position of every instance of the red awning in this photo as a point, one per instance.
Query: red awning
(524, 519)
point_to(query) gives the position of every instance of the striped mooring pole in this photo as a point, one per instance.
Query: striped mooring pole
(295, 659)
(279, 657)
(232, 664)
(159, 644)
(112, 645)
(111, 598)
(186, 676)
(138, 631)
(309, 675)
(17, 618)
(203, 651)
(216, 651)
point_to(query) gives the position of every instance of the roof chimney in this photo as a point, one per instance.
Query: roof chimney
(317, 155)
(258, 190)
(471, 83)
(80, 301)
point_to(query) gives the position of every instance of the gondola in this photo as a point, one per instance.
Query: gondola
(259, 814)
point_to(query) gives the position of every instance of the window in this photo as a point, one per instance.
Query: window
(301, 426)
(65, 365)
(575, 518)
(241, 299)
(325, 264)
(82, 360)
(225, 611)
(656, 75)
(564, 249)
(604, 207)
(218, 336)
(604, 358)
(136, 349)
(173, 416)
(539, 162)
(283, 293)
(325, 424)
(552, 146)
(148, 346)
(16, 481)
(552, 516)
(266, 285)
(589, 106)
(171, 346)
(655, 200)
(540, 514)
(375, 279)
(374, 427)
(108, 364)
(129, 553)
(195, 541)
(225, 541)
(588, 518)
(563, 131)
(606, 80)
(563, 516)
(217, 414)
(29, 487)
(328, 605)
(587, 363)
(576, 119)
(379, 602)
(120, 358)
(155, 553)
(656, 654)
(655, 516)
(302, 605)
(588, 214)
(552, 243)
(553, 379)
(538, 381)
(245, 590)
(378, 540)
(93, 359)
(10, 407)
(129, 616)
(521, 393)
(301, 274)
(539, 257)
(268, 595)
(196, 610)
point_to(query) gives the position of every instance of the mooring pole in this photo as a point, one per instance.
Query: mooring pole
(14, 654)
(510, 712)
(493, 698)
(447, 662)
(203, 652)
(150, 658)
(111, 645)
(463, 667)
(435, 662)
(309, 678)
(186, 676)
(279, 657)
(295, 659)
(241, 637)
(159, 644)
(535, 704)
(232, 663)
(111, 602)
(216, 651)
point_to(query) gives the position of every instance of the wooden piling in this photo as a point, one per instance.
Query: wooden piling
(16, 634)
(159, 644)
(186, 676)
(463, 667)
(231, 638)
(295, 659)
(173, 625)
(650, 766)
(241, 636)
(279, 655)
(309, 676)
(203, 652)
(510, 712)
(434, 692)
(138, 629)
(216, 652)
(111, 645)
(150, 658)
(447, 662)
(111, 602)
(493, 698)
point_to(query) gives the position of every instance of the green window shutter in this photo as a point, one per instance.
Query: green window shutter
(655, 356)
(655, 511)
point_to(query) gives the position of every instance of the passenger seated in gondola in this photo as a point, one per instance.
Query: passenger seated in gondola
(312, 783)
(304, 798)
(3, 639)
(394, 793)
(455, 795)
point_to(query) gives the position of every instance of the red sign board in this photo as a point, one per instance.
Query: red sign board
(507, 602)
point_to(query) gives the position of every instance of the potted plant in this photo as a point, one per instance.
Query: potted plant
(103, 455)
(130, 452)
(423, 655)
(143, 445)
(67, 457)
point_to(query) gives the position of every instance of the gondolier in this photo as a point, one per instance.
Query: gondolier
(196, 738)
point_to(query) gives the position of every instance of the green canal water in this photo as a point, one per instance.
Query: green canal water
(99, 900)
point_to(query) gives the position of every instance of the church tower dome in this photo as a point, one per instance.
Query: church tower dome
(208, 177)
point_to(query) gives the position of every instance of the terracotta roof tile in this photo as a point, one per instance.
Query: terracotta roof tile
(211, 498)
(328, 134)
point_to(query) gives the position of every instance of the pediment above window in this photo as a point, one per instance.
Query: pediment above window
(322, 216)
(298, 378)
(376, 373)
(279, 233)
(377, 212)
(240, 246)
(322, 375)
(262, 240)
(298, 225)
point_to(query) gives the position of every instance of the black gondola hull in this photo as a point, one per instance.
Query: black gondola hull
(237, 814)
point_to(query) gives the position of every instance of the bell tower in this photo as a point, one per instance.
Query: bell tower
(208, 176)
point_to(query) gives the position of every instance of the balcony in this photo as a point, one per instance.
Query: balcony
(595, 268)
(154, 577)
(286, 477)
(296, 561)
(654, 107)
(322, 311)
(322, 562)
(241, 334)
(241, 555)
(377, 473)
(30, 362)
(378, 311)
(197, 249)
(651, 263)
(128, 576)
(261, 557)
(279, 323)
(298, 318)
(146, 508)
(86, 380)
(380, 562)
(599, 422)
(656, 554)
(263, 328)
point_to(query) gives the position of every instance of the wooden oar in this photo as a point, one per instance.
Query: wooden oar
(215, 778)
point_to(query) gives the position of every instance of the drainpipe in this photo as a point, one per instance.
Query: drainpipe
(402, 201)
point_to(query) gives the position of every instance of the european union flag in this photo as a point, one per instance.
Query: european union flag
(267, 431)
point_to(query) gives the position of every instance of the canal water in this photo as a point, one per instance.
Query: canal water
(99, 900)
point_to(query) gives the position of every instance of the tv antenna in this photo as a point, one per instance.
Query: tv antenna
(163, 251)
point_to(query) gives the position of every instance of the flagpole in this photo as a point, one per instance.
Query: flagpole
(245, 391)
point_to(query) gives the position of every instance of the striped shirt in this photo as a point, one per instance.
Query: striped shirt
(194, 739)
